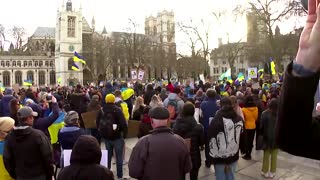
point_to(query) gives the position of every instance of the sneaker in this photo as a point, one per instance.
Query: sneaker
(265, 175)
(246, 157)
(272, 175)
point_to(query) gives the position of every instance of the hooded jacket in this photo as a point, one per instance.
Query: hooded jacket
(4, 105)
(28, 153)
(224, 136)
(85, 162)
(250, 117)
(209, 109)
(174, 96)
(187, 127)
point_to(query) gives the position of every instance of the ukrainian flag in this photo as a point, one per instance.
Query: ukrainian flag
(273, 68)
(27, 83)
(3, 172)
(78, 58)
(75, 67)
(56, 126)
(240, 77)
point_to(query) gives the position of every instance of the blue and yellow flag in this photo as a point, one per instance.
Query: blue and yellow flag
(75, 67)
(240, 77)
(27, 83)
(78, 58)
(273, 68)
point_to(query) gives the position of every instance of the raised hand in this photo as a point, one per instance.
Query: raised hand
(309, 46)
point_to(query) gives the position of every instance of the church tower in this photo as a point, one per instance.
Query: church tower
(68, 40)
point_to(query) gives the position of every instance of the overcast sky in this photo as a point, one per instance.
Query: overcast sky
(114, 14)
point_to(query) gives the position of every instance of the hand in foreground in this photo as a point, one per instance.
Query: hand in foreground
(309, 46)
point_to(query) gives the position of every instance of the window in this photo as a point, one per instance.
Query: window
(51, 63)
(70, 63)
(14, 63)
(36, 63)
(30, 63)
(52, 77)
(19, 63)
(2, 63)
(6, 78)
(18, 77)
(25, 63)
(40, 63)
(154, 30)
(71, 26)
(224, 62)
(42, 78)
(7, 63)
(30, 76)
(47, 63)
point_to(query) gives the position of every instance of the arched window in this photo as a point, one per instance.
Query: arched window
(6, 78)
(30, 76)
(51, 63)
(19, 63)
(42, 78)
(14, 63)
(30, 63)
(40, 63)
(36, 63)
(25, 63)
(47, 63)
(52, 77)
(2, 63)
(70, 63)
(7, 63)
(18, 77)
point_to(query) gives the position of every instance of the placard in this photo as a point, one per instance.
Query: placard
(252, 72)
(202, 78)
(141, 75)
(67, 156)
(133, 74)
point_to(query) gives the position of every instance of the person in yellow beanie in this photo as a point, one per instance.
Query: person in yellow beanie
(6, 125)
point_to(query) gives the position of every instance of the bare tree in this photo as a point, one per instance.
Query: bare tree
(2, 37)
(18, 34)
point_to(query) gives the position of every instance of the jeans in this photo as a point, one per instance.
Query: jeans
(225, 171)
(266, 156)
(117, 145)
(94, 133)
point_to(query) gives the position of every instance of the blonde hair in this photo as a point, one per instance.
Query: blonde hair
(139, 102)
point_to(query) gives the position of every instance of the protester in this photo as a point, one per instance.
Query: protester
(163, 94)
(208, 110)
(26, 140)
(224, 151)
(138, 109)
(250, 113)
(6, 125)
(145, 125)
(149, 93)
(155, 101)
(297, 132)
(160, 155)
(78, 102)
(187, 128)
(94, 104)
(4, 103)
(14, 106)
(268, 128)
(175, 101)
(123, 105)
(112, 127)
(85, 162)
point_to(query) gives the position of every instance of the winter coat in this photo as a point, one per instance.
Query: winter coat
(119, 120)
(85, 162)
(78, 103)
(148, 95)
(137, 114)
(173, 96)
(187, 127)
(298, 133)
(268, 128)
(68, 136)
(160, 155)
(250, 117)
(4, 105)
(28, 153)
(209, 109)
(224, 136)
(145, 126)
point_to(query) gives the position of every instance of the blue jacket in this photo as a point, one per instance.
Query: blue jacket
(209, 109)
(68, 136)
(4, 105)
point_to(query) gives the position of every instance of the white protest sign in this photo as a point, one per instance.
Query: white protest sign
(133, 74)
(252, 72)
(202, 78)
(141, 75)
(67, 155)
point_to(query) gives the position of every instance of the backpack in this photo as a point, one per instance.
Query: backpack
(172, 108)
(106, 124)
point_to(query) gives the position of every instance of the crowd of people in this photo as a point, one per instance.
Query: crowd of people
(220, 119)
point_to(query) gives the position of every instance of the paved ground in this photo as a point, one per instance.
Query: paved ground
(289, 167)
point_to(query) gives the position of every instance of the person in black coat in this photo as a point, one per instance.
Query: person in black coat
(187, 127)
(298, 133)
(148, 95)
(85, 162)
